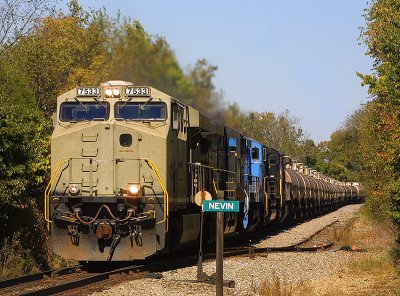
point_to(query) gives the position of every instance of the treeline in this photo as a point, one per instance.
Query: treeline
(380, 143)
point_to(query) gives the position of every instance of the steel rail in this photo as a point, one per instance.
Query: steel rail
(38, 276)
(77, 283)
(294, 248)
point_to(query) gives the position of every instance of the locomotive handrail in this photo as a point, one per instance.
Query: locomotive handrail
(215, 187)
(214, 179)
(266, 194)
(281, 188)
(210, 167)
(48, 189)
(166, 198)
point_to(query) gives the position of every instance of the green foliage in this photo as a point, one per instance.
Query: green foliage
(24, 162)
(279, 131)
(15, 259)
(341, 157)
(381, 131)
(309, 153)
(24, 141)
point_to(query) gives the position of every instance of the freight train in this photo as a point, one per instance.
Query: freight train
(131, 166)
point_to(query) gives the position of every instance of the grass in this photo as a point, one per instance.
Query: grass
(277, 287)
(14, 259)
(381, 263)
(273, 288)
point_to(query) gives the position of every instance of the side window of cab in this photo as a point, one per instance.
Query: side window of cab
(178, 121)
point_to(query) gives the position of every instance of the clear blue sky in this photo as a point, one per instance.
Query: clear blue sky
(271, 55)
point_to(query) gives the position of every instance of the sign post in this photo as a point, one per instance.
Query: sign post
(199, 198)
(200, 259)
(220, 254)
(220, 206)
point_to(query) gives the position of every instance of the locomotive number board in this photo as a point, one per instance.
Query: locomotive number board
(137, 91)
(87, 91)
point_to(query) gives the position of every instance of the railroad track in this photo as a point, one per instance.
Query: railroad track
(69, 279)
(59, 280)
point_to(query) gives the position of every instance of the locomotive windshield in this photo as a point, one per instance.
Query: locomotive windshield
(141, 111)
(83, 111)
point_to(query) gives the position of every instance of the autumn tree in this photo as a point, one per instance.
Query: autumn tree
(60, 52)
(381, 142)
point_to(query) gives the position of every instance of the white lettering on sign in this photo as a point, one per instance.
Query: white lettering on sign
(220, 206)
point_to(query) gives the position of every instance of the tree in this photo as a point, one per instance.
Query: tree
(55, 59)
(281, 132)
(381, 131)
(202, 92)
(341, 157)
(18, 17)
(24, 163)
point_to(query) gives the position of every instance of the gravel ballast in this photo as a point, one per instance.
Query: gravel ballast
(249, 272)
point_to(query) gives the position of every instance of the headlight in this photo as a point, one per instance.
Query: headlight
(112, 92)
(73, 189)
(109, 92)
(116, 92)
(133, 189)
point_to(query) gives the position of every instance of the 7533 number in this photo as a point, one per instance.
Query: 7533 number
(137, 91)
(88, 91)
